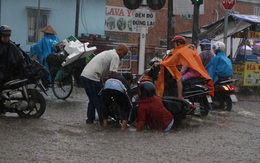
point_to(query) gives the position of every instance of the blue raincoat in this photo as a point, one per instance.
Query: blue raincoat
(43, 48)
(219, 66)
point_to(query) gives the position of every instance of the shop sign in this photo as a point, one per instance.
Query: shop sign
(253, 34)
(249, 73)
(118, 19)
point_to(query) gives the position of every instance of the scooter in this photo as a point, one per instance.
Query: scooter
(196, 91)
(179, 108)
(16, 97)
(224, 95)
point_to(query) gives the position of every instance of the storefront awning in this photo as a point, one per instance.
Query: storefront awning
(215, 30)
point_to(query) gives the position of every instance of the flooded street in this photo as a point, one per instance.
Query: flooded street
(61, 135)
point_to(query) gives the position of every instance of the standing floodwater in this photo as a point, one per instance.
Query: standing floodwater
(61, 135)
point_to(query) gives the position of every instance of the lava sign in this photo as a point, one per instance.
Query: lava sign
(228, 4)
(143, 19)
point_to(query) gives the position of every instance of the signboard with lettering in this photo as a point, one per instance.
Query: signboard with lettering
(143, 18)
(118, 19)
(248, 74)
(253, 34)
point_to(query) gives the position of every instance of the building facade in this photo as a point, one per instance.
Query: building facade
(21, 16)
(164, 30)
(157, 35)
(108, 22)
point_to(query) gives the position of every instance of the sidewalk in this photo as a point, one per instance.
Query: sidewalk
(248, 97)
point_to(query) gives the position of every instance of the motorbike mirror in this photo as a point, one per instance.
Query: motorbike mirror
(153, 60)
(168, 53)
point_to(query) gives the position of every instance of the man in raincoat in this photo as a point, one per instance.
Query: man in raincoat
(11, 56)
(44, 47)
(182, 55)
(220, 66)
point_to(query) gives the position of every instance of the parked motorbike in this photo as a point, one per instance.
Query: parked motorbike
(224, 95)
(16, 97)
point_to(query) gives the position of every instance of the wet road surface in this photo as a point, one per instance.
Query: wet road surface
(61, 135)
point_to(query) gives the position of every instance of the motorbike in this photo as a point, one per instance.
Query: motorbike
(224, 95)
(195, 91)
(179, 108)
(17, 97)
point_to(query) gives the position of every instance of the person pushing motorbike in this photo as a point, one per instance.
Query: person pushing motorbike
(116, 91)
(151, 111)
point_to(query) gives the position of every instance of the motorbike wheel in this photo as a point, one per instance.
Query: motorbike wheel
(224, 104)
(36, 105)
(135, 100)
(227, 106)
(177, 107)
(204, 105)
(62, 88)
(134, 96)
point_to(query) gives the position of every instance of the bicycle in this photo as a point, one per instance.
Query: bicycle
(64, 78)
(66, 65)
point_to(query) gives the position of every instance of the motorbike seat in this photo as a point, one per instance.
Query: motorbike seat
(15, 82)
(226, 81)
(193, 81)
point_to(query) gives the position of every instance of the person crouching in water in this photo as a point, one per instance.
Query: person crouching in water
(151, 111)
(116, 100)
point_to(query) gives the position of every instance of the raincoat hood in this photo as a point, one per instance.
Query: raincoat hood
(219, 66)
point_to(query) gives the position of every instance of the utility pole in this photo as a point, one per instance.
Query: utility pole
(38, 20)
(195, 27)
(226, 29)
(170, 28)
(77, 19)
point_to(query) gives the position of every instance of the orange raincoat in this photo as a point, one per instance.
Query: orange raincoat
(183, 55)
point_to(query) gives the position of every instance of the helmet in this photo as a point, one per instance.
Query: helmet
(219, 45)
(205, 42)
(147, 89)
(146, 78)
(179, 38)
(5, 30)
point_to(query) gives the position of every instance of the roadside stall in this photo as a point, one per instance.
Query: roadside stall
(243, 45)
(246, 64)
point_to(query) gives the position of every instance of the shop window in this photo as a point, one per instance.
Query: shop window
(257, 11)
(163, 42)
(32, 32)
(186, 17)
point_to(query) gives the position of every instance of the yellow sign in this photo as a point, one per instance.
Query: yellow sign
(253, 34)
(248, 74)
